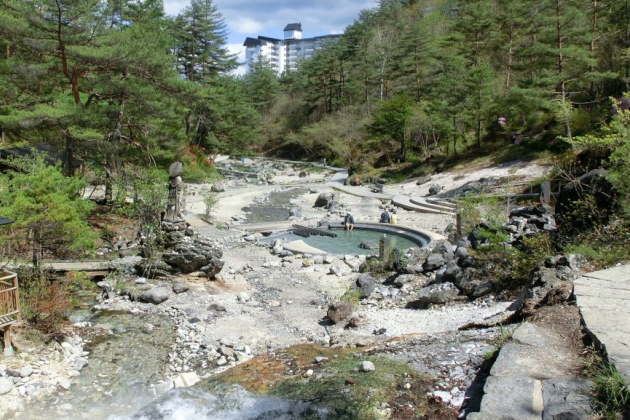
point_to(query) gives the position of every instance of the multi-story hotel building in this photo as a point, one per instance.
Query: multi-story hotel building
(284, 54)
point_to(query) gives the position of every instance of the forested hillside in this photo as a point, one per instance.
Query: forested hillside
(414, 78)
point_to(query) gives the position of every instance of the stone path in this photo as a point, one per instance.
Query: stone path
(533, 378)
(604, 301)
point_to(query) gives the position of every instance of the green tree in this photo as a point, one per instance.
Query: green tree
(201, 41)
(390, 121)
(47, 205)
(98, 76)
(615, 138)
(261, 85)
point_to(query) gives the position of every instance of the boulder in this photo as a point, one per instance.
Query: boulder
(366, 284)
(340, 270)
(474, 283)
(435, 189)
(155, 295)
(435, 294)
(451, 273)
(180, 287)
(413, 279)
(217, 187)
(461, 252)
(324, 200)
(433, 262)
(367, 366)
(153, 268)
(190, 255)
(548, 286)
(185, 380)
(339, 312)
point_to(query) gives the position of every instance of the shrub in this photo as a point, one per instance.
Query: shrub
(45, 301)
(510, 266)
(604, 245)
(48, 205)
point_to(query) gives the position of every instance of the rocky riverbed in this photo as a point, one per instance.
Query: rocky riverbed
(150, 337)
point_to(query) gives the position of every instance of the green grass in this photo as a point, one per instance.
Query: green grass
(601, 255)
(352, 394)
(611, 394)
(352, 296)
(337, 383)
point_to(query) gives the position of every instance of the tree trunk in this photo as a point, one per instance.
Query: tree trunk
(594, 36)
(403, 150)
(508, 78)
(109, 187)
(68, 164)
(560, 58)
(36, 246)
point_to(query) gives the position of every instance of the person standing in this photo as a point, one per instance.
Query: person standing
(394, 217)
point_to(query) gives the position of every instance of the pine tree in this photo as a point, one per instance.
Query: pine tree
(201, 37)
(261, 85)
(106, 88)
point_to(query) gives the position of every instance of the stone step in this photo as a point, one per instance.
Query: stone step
(442, 202)
(405, 203)
(422, 202)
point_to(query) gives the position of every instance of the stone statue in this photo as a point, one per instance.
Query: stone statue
(175, 205)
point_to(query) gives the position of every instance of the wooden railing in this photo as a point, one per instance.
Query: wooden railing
(9, 298)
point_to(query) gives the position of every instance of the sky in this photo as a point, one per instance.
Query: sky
(268, 17)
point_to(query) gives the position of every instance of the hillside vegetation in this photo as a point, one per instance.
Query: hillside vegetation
(413, 80)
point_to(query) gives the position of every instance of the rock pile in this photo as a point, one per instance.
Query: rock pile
(524, 222)
(185, 254)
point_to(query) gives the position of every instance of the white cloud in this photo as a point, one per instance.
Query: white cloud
(239, 51)
(268, 17)
(246, 25)
(173, 7)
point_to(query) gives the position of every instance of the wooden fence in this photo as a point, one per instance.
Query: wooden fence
(9, 298)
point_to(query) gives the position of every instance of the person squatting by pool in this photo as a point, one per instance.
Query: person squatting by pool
(348, 222)
(386, 217)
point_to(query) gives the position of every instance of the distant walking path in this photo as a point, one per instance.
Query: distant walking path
(604, 300)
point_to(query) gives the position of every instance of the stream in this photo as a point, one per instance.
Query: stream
(127, 356)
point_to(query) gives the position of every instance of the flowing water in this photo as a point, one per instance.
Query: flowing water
(124, 361)
(229, 403)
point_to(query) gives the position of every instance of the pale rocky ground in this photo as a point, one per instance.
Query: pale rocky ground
(262, 302)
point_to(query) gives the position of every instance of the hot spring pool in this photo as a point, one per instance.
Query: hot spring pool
(348, 242)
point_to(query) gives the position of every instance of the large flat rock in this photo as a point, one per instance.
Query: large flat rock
(523, 360)
(604, 301)
(534, 378)
(511, 398)
(567, 399)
